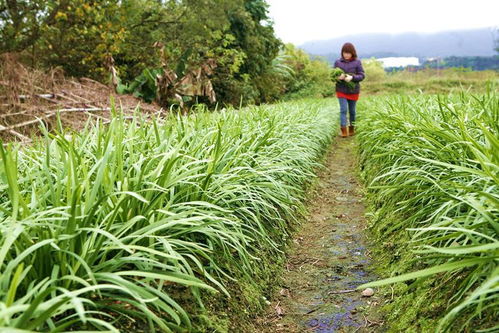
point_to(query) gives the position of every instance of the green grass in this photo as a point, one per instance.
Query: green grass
(429, 81)
(118, 225)
(432, 165)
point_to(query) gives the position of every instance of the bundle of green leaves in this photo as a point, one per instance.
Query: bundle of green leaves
(335, 77)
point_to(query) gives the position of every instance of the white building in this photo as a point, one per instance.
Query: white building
(399, 61)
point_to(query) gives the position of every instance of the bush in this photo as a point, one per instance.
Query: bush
(374, 70)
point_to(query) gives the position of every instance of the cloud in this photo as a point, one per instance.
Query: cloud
(298, 21)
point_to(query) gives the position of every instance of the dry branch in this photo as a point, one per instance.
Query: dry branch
(26, 123)
(92, 109)
(46, 96)
(17, 134)
(13, 114)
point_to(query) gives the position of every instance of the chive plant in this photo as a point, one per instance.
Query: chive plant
(119, 223)
(434, 162)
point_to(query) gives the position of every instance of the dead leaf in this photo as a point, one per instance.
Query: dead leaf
(284, 292)
(278, 310)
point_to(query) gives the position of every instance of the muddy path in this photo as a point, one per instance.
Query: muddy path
(329, 258)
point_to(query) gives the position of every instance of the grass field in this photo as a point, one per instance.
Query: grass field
(432, 165)
(143, 226)
(117, 225)
(429, 81)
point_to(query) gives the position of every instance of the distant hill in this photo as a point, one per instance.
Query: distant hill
(476, 42)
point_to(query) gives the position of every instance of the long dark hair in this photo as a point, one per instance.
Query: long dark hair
(349, 48)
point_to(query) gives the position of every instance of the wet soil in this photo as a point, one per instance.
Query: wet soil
(329, 258)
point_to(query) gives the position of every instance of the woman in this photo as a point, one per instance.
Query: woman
(346, 95)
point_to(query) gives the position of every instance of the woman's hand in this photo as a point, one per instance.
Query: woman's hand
(348, 78)
(341, 77)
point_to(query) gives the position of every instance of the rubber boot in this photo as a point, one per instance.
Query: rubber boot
(351, 130)
(344, 132)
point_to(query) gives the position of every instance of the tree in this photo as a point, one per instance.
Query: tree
(85, 33)
(92, 37)
(310, 76)
(254, 36)
(22, 22)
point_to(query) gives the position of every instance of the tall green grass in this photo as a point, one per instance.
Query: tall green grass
(433, 161)
(116, 224)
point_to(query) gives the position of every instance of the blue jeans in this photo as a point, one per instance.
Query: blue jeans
(344, 103)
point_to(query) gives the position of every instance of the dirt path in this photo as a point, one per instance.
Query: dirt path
(329, 258)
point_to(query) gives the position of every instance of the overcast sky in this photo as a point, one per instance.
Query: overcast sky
(297, 21)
